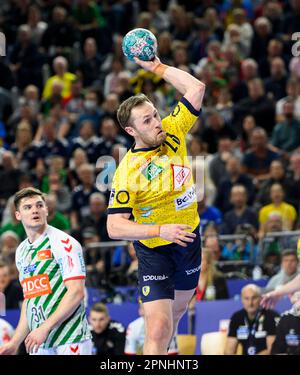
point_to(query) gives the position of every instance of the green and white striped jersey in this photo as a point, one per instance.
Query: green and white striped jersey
(44, 266)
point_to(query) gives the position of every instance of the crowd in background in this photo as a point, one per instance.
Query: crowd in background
(62, 80)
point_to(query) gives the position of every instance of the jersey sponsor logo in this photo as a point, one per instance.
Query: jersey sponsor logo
(111, 197)
(242, 333)
(155, 277)
(122, 197)
(152, 171)
(180, 175)
(44, 254)
(260, 334)
(190, 272)
(251, 350)
(186, 199)
(70, 263)
(146, 211)
(146, 290)
(292, 339)
(30, 268)
(36, 286)
(81, 261)
(68, 247)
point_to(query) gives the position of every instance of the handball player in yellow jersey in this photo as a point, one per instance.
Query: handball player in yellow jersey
(154, 185)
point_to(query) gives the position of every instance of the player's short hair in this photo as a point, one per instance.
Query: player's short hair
(100, 308)
(25, 193)
(124, 111)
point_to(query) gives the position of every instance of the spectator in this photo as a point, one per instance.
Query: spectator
(91, 111)
(97, 217)
(277, 175)
(248, 125)
(11, 288)
(78, 158)
(216, 129)
(277, 204)
(208, 214)
(217, 166)
(276, 83)
(55, 218)
(256, 162)
(60, 34)
(212, 284)
(286, 134)
(9, 176)
(135, 337)
(109, 137)
(34, 21)
(89, 67)
(74, 103)
(55, 180)
(81, 194)
(261, 38)
(108, 335)
(50, 144)
(211, 243)
(293, 93)
(13, 224)
(288, 331)
(60, 66)
(252, 327)
(25, 152)
(249, 71)
(241, 213)
(25, 60)
(257, 104)
(275, 49)
(87, 140)
(234, 177)
(293, 190)
(289, 270)
(271, 246)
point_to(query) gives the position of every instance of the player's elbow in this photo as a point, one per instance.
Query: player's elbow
(199, 87)
(111, 229)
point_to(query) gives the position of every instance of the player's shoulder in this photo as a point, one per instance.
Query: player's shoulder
(21, 246)
(238, 315)
(137, 323)
(60, 236)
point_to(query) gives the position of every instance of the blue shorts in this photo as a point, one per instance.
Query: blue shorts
(164, 269)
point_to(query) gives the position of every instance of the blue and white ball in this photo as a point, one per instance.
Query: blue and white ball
(140, 43)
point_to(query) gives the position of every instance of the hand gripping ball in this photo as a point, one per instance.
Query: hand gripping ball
(139, 43)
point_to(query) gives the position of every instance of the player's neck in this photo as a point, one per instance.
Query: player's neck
(34, 234)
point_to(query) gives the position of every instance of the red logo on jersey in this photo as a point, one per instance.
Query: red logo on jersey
(67, 248)
(180, 175)
(36, 286)
(6, 337)
(74, 349)
(70, 263)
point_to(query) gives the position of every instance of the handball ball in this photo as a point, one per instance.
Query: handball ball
(140, 43)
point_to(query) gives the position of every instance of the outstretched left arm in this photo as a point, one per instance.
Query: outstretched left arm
(189, 86)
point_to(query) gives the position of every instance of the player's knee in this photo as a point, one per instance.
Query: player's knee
(159, 329)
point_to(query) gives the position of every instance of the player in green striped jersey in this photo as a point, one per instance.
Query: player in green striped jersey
(52, 272)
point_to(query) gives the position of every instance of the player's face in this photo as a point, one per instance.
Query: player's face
(147, 128)
(32, 212)
(98, 321)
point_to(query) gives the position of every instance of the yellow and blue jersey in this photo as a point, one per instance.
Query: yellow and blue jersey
(156, 184)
